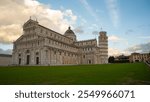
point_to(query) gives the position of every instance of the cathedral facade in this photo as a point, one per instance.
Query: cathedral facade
(39, 45)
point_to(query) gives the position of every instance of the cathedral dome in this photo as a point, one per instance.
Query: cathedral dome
(69, 33)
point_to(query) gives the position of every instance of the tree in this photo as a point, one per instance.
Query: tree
(111, 59)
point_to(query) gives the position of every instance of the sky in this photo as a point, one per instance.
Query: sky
(127, 22)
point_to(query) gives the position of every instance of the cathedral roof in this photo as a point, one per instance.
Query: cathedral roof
(87, 40)
(69, 32)
(30, 21)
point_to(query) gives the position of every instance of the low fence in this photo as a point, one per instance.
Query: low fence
(148, 63)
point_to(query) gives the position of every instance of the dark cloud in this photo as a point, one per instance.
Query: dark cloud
(129, 31)
(142, 48)
(9, 51)
(79, 30)
(95, 32)
(143, 26)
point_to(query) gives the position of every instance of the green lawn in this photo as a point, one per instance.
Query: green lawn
(104, 74)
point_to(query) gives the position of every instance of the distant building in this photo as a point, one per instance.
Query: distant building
(137, 57)
(42, 46)
(119, 59)
(5, 59)
(122, 59)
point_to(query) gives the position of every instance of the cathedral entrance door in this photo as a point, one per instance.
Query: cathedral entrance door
(89, 62)
(28, 59)
(19, 61)
(37, 60)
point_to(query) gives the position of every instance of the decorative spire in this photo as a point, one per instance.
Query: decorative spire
(69, 27)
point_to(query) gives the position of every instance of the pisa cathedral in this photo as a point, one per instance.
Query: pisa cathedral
(39, 45)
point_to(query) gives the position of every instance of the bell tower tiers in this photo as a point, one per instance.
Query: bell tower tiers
(103, 44)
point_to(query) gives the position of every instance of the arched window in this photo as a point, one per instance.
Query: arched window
(37, 53)
(89, 61)
(27, 51)
(83, 56)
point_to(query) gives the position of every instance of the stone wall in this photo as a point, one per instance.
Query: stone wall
(5, 60)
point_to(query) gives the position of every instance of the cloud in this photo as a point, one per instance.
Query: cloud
(144, 37)
(83, 21)
(141, 48)
(114, 52)
(8, 33)
(93, 27)
(89, 9)
(69, 13)
(114, 41)
(113, 11)
(9, 51)
(79, 30)
(95, 32)
(99, 11)
(117, 40)
(114, 38)
(143, 26)
(15, 12)
(129, 31)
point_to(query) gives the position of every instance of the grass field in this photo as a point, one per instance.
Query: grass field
(105, 74)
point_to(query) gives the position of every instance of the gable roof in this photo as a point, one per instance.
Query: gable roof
(30, 20)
